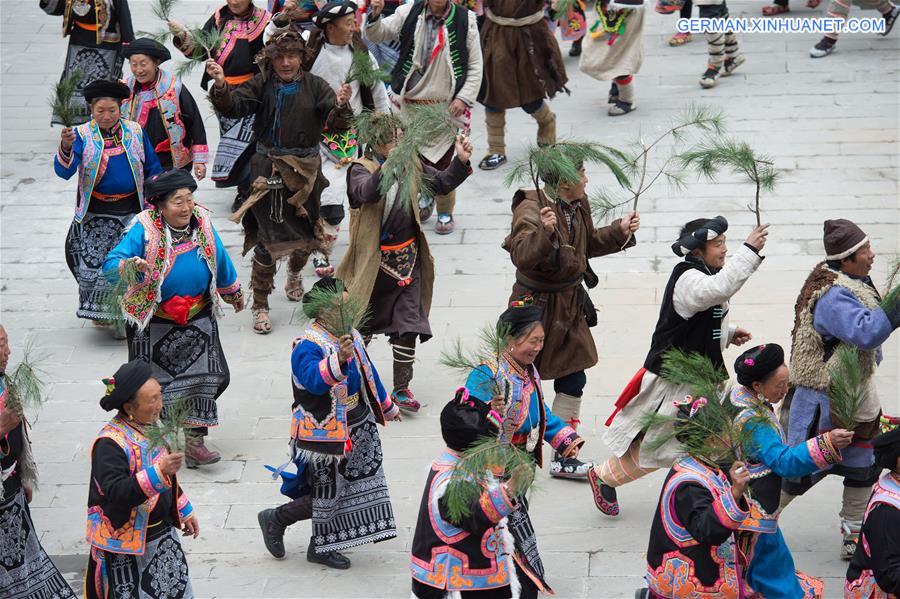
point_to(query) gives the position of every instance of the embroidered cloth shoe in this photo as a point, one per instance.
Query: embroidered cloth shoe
(573, 468)
(709, 78)
(273, 533)
(332, 559)
(444, 224)
(850, 531)
(426, 208)
(824, 47)
(575, 50)
(604, 496)
(731, 64)
(405, 399)
(322, 265)
(492, 161)
(197, 454)
(890, 18)
(620, 108)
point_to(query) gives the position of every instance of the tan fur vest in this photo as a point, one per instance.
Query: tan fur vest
(807, 346)
(360, 265)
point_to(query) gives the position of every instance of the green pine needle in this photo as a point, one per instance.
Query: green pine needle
(487, 462)
(338, 314)
(117, 286)
(694, 370)
(163, 9)
(562, 8)
(561, 163)
(61, 98)
(427, 124)
(161, 36)
(364, 70)
(377, 128)
(203, 47)
(848, 389)
(492, 343)
(712, 156)
(889, 302)
(168, 431)
(24, 384)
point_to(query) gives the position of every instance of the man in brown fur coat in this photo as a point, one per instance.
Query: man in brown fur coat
(552, 238)
(837, 306)
(388, 260)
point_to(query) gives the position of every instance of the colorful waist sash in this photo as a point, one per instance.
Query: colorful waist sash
(181, 308)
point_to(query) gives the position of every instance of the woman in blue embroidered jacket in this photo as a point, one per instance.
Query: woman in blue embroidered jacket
(112, 157)
(527, 420)
(135, 504)
(475, 555)
(338, 400)
(182, 271)
(164, 107)
(762, 378)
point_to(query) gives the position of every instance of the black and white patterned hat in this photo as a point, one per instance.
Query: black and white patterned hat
(334, 10)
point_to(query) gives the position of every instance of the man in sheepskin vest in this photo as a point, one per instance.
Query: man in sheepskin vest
(837, 305)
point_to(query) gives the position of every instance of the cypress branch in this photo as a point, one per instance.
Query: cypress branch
(847, 387)
(486, 463)
(61, 98)
(24, 384)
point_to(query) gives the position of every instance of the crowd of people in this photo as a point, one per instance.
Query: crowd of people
(151, 267)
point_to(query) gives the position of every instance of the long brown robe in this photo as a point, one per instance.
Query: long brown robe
(396, 311)
(554, 274)
(521, 64)
(287, 221)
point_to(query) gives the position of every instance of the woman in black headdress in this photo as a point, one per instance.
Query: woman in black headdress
(178, 274)
(135, 504)
(163, 106)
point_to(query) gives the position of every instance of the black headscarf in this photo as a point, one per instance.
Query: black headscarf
(464, 420)
(757, 363)
(334, 10)
(697, 233)
(517, 318)
(147, 47)
(325, 284)
(887, 449)
(104, 88)
(122, 386)
(158, 187)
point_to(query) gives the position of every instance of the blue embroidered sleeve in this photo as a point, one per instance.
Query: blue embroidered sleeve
(226, 275)
(151, 162)
(784, 460)
(130, 246)
(65, 165)
(839, 314)
(313, 370)
(480, 383)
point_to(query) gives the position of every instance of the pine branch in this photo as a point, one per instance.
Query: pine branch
(562, 161)
(61, 98)
(694, 370)
(363, 70)
(24, 384)
(847, 387)
(889, 302)
(163, 9)
(161, 36)
(492, 344)
(486, 463)
(336, 309)
(710, 157)
(168, 432)
(203, 45)
(128, 277)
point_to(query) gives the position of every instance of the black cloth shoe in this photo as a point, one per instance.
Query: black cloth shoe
(561, 467)
(890, 19)
(273, 533)
(642, 593)
(492, 161)
(239, 200)
(332, 559)
(575, 50)
(613, 94)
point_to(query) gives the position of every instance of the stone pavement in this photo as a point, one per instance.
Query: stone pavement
(830, 124)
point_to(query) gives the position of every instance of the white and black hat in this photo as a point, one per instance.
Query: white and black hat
(334, 10)
(697, 233)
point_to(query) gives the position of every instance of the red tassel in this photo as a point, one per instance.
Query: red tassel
(348, 446)
(405, 282)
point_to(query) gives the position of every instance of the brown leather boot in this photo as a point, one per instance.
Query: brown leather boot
(197, 454)
(546, 120)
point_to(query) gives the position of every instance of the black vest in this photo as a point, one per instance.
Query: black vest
(701, 333)
(457, 34)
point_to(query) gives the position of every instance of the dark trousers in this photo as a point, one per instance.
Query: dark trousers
(571, 384)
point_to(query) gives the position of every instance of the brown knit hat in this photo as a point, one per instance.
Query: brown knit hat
(842, 238)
